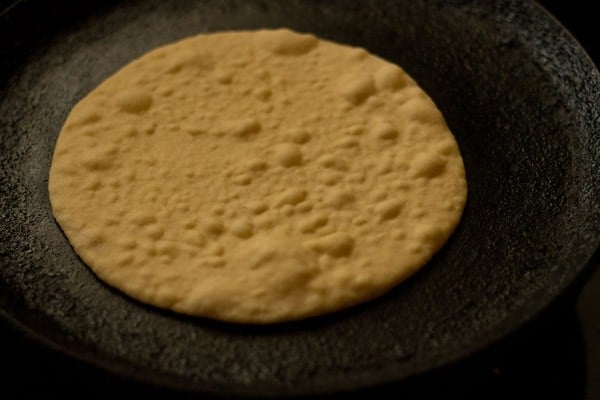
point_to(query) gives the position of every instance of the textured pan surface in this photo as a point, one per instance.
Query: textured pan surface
(519, 94)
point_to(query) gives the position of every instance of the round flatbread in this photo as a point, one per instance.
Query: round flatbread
(256, 177)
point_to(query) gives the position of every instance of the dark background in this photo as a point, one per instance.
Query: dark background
(558, 355)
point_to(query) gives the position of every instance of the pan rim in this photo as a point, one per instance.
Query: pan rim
(126, 370)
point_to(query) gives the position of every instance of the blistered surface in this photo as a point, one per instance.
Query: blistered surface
(256, 177)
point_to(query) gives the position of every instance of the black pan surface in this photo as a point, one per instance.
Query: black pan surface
(520, 95)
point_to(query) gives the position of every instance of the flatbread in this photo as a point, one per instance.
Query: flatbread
(256, 177)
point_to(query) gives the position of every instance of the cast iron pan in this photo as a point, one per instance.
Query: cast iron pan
(518, 92)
